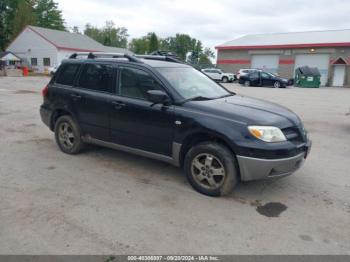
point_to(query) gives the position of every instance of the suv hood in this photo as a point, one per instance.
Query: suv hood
(248, 110)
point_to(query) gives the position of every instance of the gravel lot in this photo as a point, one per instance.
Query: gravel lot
(108, 202)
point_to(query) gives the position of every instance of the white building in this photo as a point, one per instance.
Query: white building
(42, 48)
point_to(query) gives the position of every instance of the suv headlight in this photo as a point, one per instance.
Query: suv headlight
(267, 133)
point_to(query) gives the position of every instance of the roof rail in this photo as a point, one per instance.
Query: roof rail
(93, 55)
(161, 58)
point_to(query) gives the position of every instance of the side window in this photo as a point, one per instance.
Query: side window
(34, 61)
(135, 83)
(254, 74)
(46, 61)
(264, 75)
(98, 77)
(67, 74)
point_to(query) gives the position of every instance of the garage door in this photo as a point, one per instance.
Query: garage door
(267, 63)
(315, 60)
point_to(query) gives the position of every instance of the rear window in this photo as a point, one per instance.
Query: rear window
(67, 74)
(97, 77)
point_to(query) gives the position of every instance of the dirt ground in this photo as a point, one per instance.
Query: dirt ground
(108, 202)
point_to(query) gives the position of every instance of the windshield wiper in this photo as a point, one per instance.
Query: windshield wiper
(230, 94)
(196, 98)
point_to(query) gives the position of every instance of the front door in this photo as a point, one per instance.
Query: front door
(137, 122)
(266, 79)
(339, 75)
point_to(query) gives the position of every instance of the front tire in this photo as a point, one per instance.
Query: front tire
(224, 79)
(277, 84)
(211, 169)
(68, 135)
(247, 83)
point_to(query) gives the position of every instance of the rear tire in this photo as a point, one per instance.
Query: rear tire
(68, 135)
(246, 83)
(211, 169)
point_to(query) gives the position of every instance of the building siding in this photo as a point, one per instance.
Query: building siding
(29, 45)
(233, 60)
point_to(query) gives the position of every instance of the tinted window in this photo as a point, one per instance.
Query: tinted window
(97, 77)
(67, 74)
(135, 83)
(254, 74)
(46, 61)
(264, 75)
(34, 61)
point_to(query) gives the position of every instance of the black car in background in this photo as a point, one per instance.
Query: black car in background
(261, 78)
(158, 107)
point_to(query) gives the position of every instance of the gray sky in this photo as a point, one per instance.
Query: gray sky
(211, 21)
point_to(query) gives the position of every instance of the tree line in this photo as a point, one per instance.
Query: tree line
(184, 46)
(17, 14)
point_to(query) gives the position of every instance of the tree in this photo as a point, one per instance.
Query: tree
(139, 45)
(109, 35)
(153, 42)
(4, 25)
(204, 58)
(112, 36)
(48, 15)
(93, 32)
(75, 30)
(183, 46)
(23, 16)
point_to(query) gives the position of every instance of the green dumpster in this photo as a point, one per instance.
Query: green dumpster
(307, 77)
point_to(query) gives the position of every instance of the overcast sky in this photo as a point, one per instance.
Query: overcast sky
(211, 21)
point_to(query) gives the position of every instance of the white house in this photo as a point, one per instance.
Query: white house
(42, 48)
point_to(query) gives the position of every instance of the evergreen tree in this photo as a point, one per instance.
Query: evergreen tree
(48, 15)
(153, 42)
(23, 16)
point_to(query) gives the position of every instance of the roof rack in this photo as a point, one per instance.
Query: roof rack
(160, 58)
(93, 55)
(131, 58)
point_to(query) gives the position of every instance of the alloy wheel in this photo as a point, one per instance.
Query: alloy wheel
(208, 171)
(66, 135)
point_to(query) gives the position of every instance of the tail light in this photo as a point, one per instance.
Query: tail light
(45, 91)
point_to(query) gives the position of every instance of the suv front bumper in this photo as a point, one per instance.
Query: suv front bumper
(258, 168)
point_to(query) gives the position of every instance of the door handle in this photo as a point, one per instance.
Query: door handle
(75, 96)
(118, 104)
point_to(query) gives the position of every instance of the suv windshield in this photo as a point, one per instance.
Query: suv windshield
(190, 83)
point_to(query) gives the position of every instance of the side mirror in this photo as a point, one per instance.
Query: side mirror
(158, 97)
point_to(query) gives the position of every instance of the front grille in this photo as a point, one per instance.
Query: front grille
(294, 134)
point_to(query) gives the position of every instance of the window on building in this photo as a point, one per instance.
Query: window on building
(46, 61)
(135, 83)
(34, 61)
(98, 77)
(67, 74)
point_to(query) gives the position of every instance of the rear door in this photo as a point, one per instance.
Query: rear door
(94, 93)
(254, 78)
(137, 122)
(63, 91)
